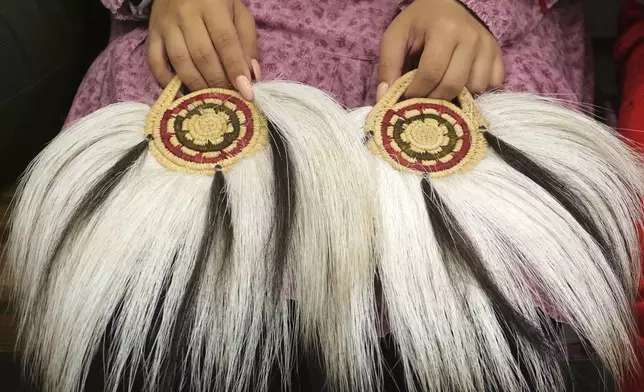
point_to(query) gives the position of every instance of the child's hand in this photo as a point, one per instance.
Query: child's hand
(457, 51)
(210, 43)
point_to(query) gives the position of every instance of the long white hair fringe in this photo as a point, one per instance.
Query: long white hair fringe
(136, 269)
(186, 271)
(509, 211)
(333, 256)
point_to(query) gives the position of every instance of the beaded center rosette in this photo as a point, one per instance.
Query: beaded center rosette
(204, 131)
(427, 136)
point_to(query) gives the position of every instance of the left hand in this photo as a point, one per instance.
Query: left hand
(456, 51)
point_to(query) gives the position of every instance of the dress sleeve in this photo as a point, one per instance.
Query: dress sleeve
(509, 20)
(129, 9)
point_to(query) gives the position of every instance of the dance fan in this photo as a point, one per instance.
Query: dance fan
(494, 212)
(177, 233)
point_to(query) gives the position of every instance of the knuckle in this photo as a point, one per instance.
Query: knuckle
(232, 65)
(429, 76)
(451, 88)
(202, 55)
(448, 26)
(224, 39)
(470, 37)
(475, 39)
(385, 65)
(156, 27)
(179, 57)
(194, 83)
(453, 85)
(219, 82)
(184, 9)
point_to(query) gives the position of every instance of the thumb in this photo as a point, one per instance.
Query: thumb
(393, 51)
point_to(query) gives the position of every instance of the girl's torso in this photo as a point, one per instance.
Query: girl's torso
(330, 44)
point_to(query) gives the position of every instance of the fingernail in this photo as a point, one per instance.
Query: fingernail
(256, 71)
(382, 90)
(243, 86)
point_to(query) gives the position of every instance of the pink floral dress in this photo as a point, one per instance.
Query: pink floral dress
(334, 45)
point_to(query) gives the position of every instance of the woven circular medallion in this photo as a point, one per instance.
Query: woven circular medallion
(205, 131)
(426, 136)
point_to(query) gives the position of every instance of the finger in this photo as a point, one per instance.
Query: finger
(498, 71)
(157, 59)
(182, 62)
(481, 72)
(456, 75)
(245, 26)
(393, 51)
(224, 37)
(203, 54)
(433, 65)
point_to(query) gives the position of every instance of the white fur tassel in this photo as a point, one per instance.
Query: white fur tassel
(142, 241)
(588, 156)
(333, 258)
(126, 271)
(447, 334)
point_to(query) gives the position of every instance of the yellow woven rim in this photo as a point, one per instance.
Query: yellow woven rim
(205, 131)
(426, 136)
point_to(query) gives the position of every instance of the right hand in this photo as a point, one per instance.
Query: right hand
(209, 43)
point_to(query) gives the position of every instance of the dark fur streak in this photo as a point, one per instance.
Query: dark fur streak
(91, 202)
(218, 225)
(459, 249)
(285, 201)
(559, 191)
